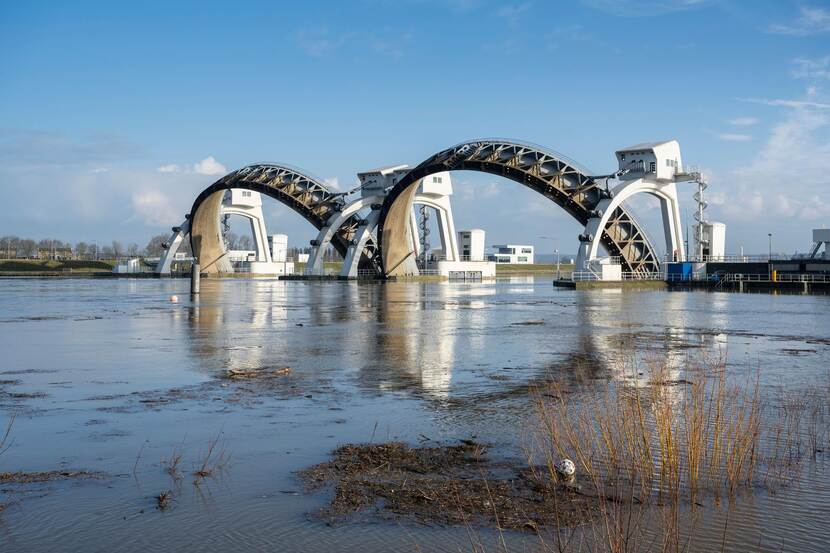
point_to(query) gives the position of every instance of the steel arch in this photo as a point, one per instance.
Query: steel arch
(550, 174)
(306, 195)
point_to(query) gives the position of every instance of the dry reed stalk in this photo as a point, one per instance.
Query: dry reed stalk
(212, 461)
(665, 446)
(5, 444)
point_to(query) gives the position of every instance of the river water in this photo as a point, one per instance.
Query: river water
(111, 376)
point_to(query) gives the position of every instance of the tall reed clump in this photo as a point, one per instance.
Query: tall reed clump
(5, 443)
(668, 441)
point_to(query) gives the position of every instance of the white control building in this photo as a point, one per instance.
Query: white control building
(471, 242)
(515, 254)
(713, 236)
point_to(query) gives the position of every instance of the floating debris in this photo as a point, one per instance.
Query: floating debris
(258, 373)
(445, 485)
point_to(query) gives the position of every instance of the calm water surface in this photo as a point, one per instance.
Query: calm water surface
(110, 376)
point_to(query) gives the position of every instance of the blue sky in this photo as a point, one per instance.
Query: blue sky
(114, 115)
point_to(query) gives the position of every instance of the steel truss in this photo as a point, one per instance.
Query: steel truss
(306, 195)
(550, 174)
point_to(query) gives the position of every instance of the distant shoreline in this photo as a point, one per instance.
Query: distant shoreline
(34, 268)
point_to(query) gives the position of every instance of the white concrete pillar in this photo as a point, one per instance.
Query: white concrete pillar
(166, 261)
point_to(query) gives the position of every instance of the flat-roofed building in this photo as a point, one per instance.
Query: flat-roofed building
(471, 244)
(515, 254)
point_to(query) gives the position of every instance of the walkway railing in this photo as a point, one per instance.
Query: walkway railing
(584, 275)
(779, 277)
(625, 275)
(727, 259)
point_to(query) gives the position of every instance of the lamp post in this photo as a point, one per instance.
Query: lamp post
(769, 259)
(769, 234)
(555, 251)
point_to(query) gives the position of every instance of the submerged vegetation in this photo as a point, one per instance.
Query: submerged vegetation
(670, 442)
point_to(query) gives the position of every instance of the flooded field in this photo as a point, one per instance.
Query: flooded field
(129, 432)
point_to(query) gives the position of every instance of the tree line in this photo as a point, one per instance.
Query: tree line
(15, 247)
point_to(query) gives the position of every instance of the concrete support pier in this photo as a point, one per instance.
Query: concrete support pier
(195, 277)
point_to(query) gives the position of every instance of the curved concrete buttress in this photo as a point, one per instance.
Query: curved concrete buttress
(206, 235)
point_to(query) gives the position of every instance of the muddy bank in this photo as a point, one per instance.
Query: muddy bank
(444, 485)
(46, 476)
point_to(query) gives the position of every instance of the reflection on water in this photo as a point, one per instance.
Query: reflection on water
(119, 370)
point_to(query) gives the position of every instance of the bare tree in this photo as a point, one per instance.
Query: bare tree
(132, 250)
(26, 248)
(117, 249)
(155, 247)
(244, 242)
(8, 246)
(81, 250)
(231, 241)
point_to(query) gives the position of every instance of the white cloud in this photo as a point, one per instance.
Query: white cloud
(797, 104)
(644, 8)
(815, 208)
(811, 69)
(791, 169)
(744, 121)
(99, 170)
(469, 190)
(332, 182)
(155, 208)
(810, 21)
(319, 42)
(716, 198)
(734, 137)
(209, 166)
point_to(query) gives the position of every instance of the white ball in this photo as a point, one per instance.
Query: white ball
(174, 299)
(565, 467)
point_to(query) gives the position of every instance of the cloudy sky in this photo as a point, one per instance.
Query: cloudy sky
(114, 115)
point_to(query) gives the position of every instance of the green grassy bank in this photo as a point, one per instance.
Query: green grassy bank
(38, 266)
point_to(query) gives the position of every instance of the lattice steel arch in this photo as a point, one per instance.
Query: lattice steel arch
(552, 175)
(306, 195)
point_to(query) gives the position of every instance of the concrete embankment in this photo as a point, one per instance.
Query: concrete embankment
(611, 284)
(788, 287)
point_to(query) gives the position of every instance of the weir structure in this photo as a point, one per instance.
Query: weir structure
(306, 195)
(377, 232)
(552, 175)
(347, 226)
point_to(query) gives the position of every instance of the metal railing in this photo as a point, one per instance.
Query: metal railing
(437, 258)
(693, 277)
(728, 258)
(656, 275)
(778, 277)
(625, 275)
(584, 275)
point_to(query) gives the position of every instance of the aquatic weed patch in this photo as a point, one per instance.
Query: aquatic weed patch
(443, 485)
